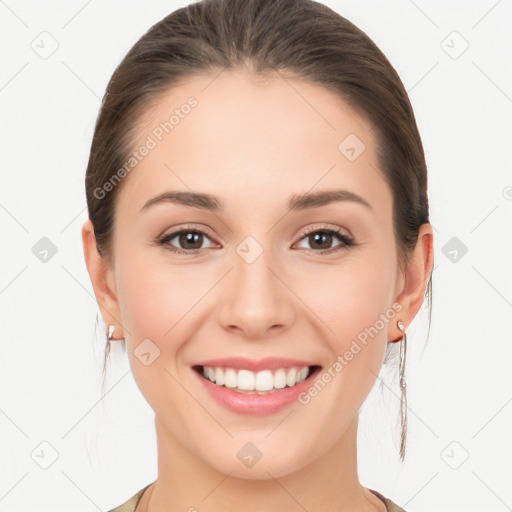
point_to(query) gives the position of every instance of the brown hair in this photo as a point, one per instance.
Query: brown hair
(302, 38)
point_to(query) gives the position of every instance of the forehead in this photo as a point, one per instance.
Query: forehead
(250, 135)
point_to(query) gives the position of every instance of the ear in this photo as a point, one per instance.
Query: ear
(102, 279)
(415, 279)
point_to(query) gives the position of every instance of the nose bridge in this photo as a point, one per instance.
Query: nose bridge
(254, 283)
(256, 299)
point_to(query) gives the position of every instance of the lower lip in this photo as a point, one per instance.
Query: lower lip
(254, 404)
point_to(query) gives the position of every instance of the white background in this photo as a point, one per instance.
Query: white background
(459, 381)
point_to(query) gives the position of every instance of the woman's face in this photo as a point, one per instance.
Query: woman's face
(260, 283)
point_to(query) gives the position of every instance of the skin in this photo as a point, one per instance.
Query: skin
(253, 143)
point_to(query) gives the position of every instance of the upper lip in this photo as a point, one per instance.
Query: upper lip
(267, 363)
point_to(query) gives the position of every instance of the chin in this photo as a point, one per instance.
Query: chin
(249, 463)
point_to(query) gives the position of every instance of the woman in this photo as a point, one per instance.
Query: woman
(259, 237)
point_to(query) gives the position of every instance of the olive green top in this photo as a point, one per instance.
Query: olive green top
(131, 504)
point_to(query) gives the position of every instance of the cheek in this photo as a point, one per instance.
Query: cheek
(155, 301)
(155, 296)
(355, 302)
(147, 305)
(352, 297)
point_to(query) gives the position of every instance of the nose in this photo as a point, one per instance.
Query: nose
(255, 300)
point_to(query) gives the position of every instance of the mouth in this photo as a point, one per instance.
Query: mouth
(261, 382)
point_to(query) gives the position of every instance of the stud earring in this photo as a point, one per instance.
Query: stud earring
(110, 334)
(403, 386)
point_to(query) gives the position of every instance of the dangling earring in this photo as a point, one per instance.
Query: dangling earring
(403, 386)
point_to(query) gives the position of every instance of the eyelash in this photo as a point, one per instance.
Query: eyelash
(347, 241)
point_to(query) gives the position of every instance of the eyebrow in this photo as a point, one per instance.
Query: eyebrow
(297, 202)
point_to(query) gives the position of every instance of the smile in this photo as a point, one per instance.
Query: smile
(249, 382)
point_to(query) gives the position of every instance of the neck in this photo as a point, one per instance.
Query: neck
(329, 484)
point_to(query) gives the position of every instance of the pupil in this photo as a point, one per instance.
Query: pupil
(189, 238)
(317, 235)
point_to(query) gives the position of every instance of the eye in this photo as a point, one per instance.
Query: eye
(190, 240)
(321, 240)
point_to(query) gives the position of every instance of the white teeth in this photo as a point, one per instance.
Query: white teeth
(230, 380)
(280, 379)
(264, 381)
(219, 377)
(261, 382)
(291, 377)
(246, 380)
